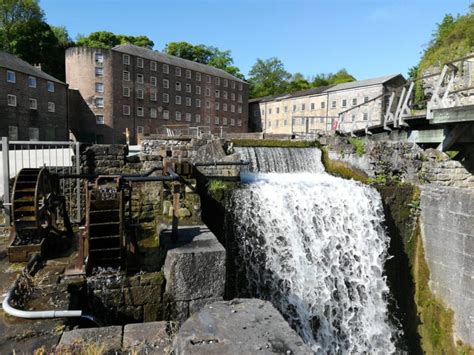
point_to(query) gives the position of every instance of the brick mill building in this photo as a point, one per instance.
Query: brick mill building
(33, 104)
(319, 108)
(120, 93)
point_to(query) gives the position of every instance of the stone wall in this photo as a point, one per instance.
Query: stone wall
(447, 229)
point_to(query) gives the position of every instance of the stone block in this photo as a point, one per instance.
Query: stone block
(195, 268)
(145, 294)
(147, 338)
(197, 305)
(153, 312)
(241, 326)
(109, 339)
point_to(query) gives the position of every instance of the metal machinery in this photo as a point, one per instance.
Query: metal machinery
(39, 213)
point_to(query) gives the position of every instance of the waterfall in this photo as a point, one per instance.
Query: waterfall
(315, 246)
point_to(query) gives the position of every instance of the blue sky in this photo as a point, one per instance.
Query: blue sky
(369, 38)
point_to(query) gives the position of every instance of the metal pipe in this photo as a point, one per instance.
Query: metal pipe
(223, 163)
(150, 178)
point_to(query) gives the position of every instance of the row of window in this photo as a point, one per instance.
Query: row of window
(33, 133)
(11, 78)
(153, 111)
(311, 120)
(312, 106)
(33, 103)
(178, 72)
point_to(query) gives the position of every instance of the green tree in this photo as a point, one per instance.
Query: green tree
(298, 82)
(268, 77)
(342, 76)
(106, 39)
(201, 53)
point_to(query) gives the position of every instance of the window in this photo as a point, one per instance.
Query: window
(286, 108)
(153, 65)
(217, 94)
(140, 62)
(11, 77)
(239, 98)
(126, 91)
(224, 107)
(216, 120)
(198, 103)
(232, 122)
(323, 104)
(232, 108)
(126, 59)
(177, 116)
(208, 104)
(353, 118)
(99, 58)
(99, 72)
(153, 112)
(177, 71)
(321, 120)
(188, 117)
(334, 104)
(153, 80)
(166, 69)
(354, 101)
(208, 79)
(239, 123)
(208, 92)
(344, 103)
(166, 83)
(51, 107)
(302, 107)
(188, 88)
(226, 83)
(139, 93)
(312, 106)
(269, 111)
(366, 99)
(366, 116)
(11, 99)
(178, 86)
(140, 79)
(126, 110)
(140, 112)
(233, 84)
(99, 102)
(197, 117)
(263, 112)
(99, 87)
(224, 121)
(294, 108)
(217, 81)
(198, 90)
(240, 87)
(13, 133)
(33, 104)
(239, 109)
(278, 110)
(33, 133)
(188, 74)
(126, 75)
(216, 106)
(50, 86)
(153, 96)
(232, 96)
(31, 81)
(166, 98)
(99, 119)
(166, 115)
(140, 130)
(198, 76)
(208, 119)
(269, 123)
(177, 100)
(225, 95)
(188, 101)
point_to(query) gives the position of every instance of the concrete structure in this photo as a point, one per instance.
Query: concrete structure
(318, 108)
(447, 228)
(128, 91)
(33, 104)
(240, 326)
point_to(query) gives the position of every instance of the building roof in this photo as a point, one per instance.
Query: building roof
(307, 92)
(361, 83)
(172, 60)
(14, 63)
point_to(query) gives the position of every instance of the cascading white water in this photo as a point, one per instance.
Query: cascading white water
(314, 245)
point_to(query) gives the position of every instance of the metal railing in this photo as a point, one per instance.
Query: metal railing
(59, 157)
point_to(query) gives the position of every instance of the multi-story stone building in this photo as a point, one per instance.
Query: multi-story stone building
(128, 91)
(33, 104)
(320, 108)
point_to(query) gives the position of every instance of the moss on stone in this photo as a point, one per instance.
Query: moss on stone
(342, 169)
(218, 188)
(275, 143)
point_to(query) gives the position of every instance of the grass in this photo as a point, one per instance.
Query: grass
(342, 169)
(359, 145)
(275, 143)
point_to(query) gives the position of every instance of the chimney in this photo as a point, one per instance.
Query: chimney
(38, 66)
